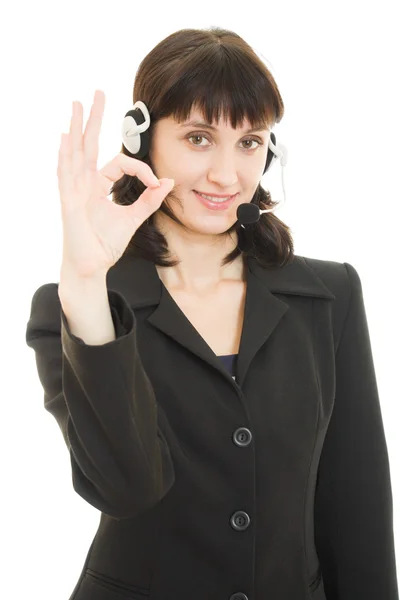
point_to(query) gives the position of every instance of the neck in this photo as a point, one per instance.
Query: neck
(200, 256)
(196, 275)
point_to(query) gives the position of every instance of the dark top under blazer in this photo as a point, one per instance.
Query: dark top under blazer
(273, 486)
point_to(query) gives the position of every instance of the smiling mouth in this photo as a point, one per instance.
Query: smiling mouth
(216, 199)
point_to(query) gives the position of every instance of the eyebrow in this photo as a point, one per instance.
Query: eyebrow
(208, 126)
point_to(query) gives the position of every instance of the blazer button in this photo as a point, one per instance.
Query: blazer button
(240, 520)
(239, 596)
(242, 436)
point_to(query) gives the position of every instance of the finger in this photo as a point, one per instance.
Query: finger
(63, 151)
(75, 129)
(92, 130)
(149, 202)
(76, 139)
(64, 163)
(123, 164)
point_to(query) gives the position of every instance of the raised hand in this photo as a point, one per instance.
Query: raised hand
(96, 231)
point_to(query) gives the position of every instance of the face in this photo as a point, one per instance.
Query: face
(222, 161)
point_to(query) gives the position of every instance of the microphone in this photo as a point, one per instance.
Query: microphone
(248, 213)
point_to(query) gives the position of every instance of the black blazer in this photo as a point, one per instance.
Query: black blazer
(273, 486)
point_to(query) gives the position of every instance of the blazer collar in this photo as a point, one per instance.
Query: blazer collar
(138, 281)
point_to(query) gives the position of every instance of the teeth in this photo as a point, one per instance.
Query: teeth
(213, 199)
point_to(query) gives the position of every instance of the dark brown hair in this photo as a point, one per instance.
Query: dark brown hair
(216, 71)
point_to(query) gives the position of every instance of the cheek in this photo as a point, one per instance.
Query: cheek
(177, 162)
(185, 170)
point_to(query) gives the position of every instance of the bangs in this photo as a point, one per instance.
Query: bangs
(220, 86)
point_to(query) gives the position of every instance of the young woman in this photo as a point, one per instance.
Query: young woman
(215, 391)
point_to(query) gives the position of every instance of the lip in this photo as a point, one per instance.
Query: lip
(216, 205)
(214, 195)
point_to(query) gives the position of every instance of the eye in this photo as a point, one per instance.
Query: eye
(201, 135)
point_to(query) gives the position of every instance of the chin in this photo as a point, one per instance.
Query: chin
(211, 225)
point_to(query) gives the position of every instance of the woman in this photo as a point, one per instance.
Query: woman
(215, 391)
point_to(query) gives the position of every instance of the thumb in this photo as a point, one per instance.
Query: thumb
(150, 201)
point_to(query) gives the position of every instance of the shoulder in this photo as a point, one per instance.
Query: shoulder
(46, 297)
(340, 277)
(45, 310)
(343, 280)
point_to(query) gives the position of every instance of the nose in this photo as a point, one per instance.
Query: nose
(223, 170)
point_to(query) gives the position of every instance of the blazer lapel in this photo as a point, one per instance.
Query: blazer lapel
(137, 280)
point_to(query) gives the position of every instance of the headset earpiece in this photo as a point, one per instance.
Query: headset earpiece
(135, 130)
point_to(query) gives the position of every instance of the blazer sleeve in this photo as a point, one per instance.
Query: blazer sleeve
(353, 503)
(105, 407)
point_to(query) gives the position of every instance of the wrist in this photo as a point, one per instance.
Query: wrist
(73, 285)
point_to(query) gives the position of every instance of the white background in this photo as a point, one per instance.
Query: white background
(336, 65)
